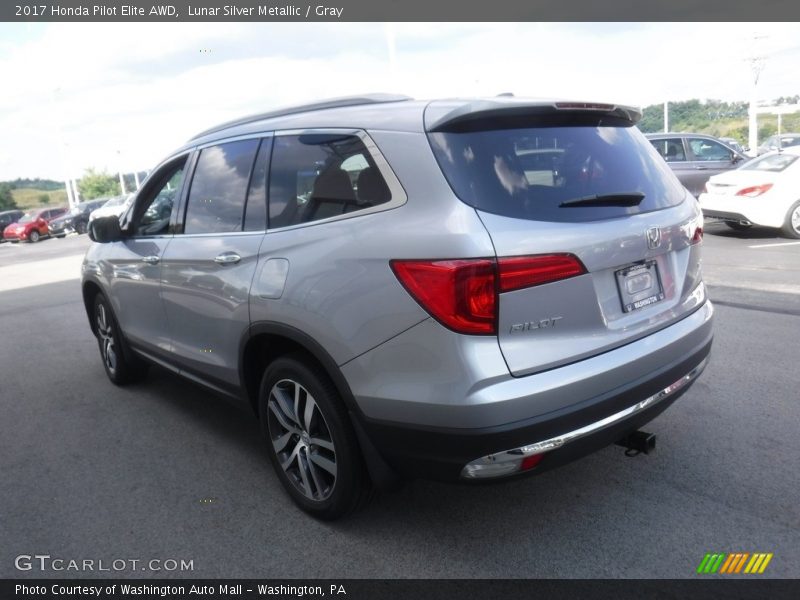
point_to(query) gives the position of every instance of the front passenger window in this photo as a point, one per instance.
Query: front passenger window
(154, 219)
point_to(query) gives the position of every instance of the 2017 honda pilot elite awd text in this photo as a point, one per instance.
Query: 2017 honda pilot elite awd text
(457, 289)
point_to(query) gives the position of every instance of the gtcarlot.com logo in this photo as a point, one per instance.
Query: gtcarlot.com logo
(734, 563)
(45, 562)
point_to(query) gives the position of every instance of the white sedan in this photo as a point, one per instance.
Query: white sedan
(764, 191)
(115, 206)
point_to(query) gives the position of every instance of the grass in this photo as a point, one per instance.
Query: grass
(27, 198)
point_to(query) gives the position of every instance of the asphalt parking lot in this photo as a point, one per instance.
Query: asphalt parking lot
(164, 470)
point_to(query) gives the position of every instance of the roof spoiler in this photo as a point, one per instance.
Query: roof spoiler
(497, 112)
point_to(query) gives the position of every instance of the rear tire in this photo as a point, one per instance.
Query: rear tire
(737, 226)
(791, 227)
(310, 439)
(121, 366)
(33, 237)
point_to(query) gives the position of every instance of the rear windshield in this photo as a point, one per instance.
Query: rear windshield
(528, 173)
(769, 162)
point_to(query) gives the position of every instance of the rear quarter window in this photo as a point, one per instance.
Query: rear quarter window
(528, 173)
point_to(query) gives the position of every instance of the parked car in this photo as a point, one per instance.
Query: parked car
(695, 157)
(764, 191)
(7, 217)
(32, 226)
(732, 143)
(76, 220)
(403, 288)
(113, 206)
(776, 142)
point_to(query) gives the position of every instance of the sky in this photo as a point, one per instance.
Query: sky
(123, 95)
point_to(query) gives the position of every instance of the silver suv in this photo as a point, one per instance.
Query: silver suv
(458, 289)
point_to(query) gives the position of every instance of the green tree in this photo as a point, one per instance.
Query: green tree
(7, 201)
(96, 184)
(44, 199)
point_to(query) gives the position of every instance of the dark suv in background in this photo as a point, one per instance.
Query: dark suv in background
(76, 220)
(7, 217)
(694, 157)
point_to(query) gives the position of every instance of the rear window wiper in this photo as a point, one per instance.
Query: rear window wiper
(622, 199)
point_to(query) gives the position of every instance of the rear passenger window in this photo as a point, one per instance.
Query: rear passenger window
(671, 150)
(217, 195)
(318, 176)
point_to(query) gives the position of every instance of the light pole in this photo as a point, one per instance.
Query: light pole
(757, 65)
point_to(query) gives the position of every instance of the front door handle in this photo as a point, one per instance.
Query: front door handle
(227, 258)
(151, 260)
(701, 168)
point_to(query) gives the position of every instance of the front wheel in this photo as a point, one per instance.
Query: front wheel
(119, 363)
(310, 440)
(33, 237)
(80, 228)
(791, 227)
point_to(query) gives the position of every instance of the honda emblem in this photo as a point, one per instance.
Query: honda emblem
(653, 238)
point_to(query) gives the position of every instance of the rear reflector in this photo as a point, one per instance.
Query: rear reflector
(462, 293)
(529, 462)
(753, 191)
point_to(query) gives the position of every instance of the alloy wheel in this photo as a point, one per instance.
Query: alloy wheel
(301, 439)
(795, 219)
(106, 332)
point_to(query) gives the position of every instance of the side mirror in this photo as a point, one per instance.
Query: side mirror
(105, 229)
(735, 158)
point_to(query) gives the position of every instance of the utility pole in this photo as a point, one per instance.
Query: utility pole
(666, 117)
(757, 64)
(70, 199)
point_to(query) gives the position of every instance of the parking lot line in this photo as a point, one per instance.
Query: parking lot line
(773, 245)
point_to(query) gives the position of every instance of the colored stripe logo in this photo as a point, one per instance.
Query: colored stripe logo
(734, 562)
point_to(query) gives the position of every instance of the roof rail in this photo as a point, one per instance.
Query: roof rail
(301, 108)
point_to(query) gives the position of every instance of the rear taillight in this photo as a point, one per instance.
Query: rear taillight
(755, 190)
(462, 293)
(697, 236)
(517, 272)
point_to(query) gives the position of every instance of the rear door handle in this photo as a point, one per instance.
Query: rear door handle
(227, 258)
(151, 260)
(700, 168)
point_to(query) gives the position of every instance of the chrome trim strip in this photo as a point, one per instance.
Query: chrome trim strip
(497, 464)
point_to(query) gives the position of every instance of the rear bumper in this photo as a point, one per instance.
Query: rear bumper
(443, 452)
(766, 210)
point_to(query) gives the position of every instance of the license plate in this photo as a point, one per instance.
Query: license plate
(639, 286)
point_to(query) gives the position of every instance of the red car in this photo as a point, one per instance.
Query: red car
(33, 225)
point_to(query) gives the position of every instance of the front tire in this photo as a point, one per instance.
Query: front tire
(310, 439)
(33, 237)
(791, 227)
(119, 363)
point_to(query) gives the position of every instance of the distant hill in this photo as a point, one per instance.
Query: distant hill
(717, 118)
(38, 184)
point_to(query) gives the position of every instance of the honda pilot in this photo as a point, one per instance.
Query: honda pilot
(466, 290)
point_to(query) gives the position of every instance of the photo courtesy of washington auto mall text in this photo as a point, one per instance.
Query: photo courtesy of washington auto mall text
(178, 590)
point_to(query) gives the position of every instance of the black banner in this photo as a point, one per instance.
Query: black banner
(399, 10)
(415, 589)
